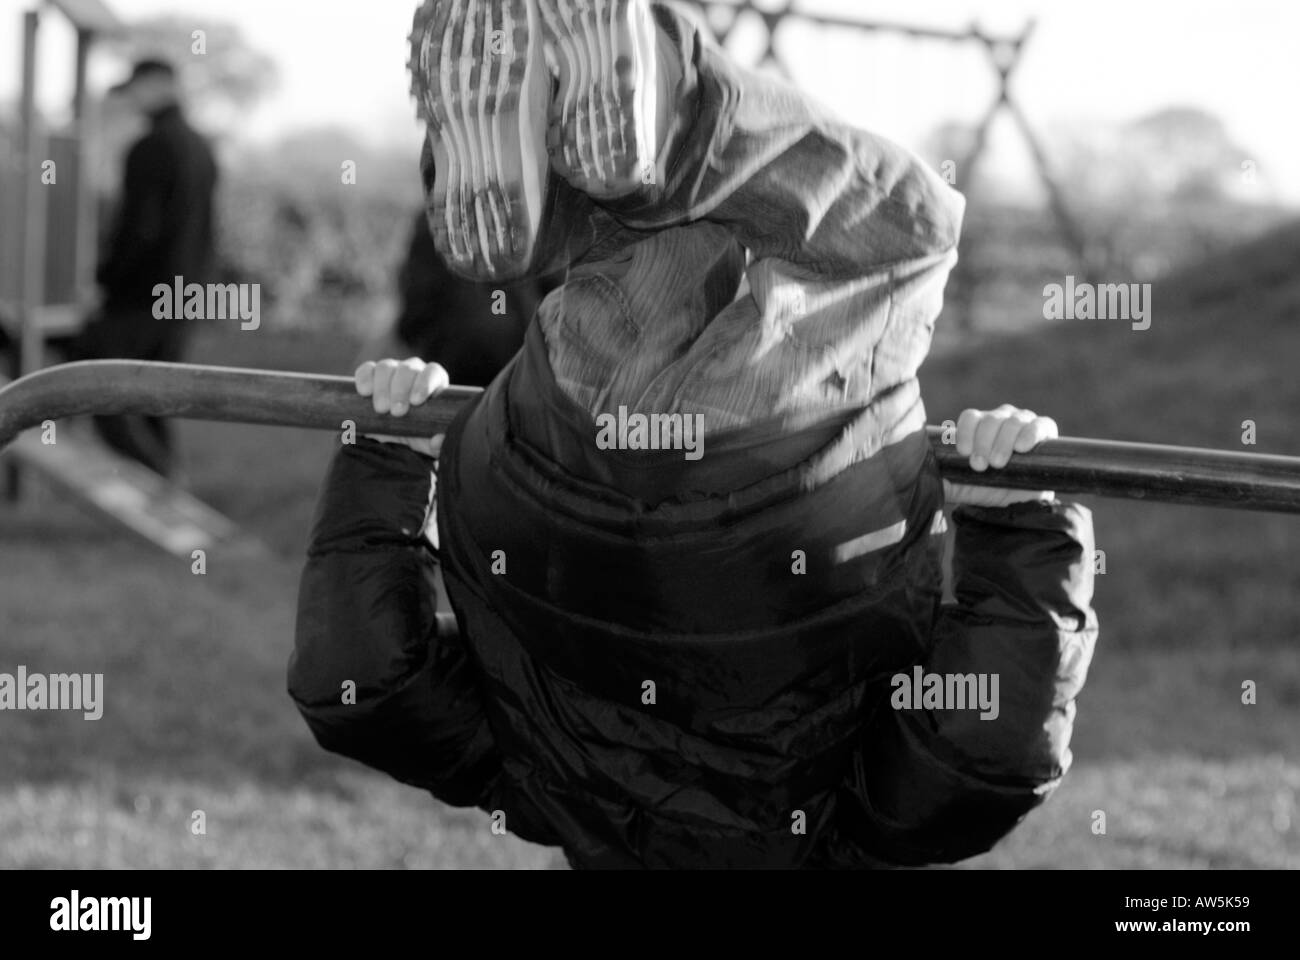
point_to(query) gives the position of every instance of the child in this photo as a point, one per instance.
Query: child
(677, 661)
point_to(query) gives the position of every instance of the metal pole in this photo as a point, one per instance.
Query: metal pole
(31, 259)
(33, 291)
(1134, 471)
(83, 273)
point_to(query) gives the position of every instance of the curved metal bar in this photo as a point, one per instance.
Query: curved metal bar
(194, 392)
(1134, 471)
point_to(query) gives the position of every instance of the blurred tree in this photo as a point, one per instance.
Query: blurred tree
(1187, 152)
(1176, 153)
(314, 236)
(221, 82)
(316, 153)
(1162, 188)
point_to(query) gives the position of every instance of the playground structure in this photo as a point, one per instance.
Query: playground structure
(48, 239)
(1004, 53)
(1137, 471)
(48, 230)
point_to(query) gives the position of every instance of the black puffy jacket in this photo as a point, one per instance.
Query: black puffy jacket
(664, 663)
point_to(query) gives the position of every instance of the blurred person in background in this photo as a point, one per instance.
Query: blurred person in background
(163, 229)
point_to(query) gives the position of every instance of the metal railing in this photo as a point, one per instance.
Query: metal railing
(1133, 471)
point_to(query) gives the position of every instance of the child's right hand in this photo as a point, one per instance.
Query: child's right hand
(990, 438)
(397, 385)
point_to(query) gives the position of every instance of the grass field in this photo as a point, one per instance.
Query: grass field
(1193, 603)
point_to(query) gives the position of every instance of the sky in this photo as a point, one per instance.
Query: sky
(1089, 61)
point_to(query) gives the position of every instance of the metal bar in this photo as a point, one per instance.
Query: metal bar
(1134, 471)
(194, 392)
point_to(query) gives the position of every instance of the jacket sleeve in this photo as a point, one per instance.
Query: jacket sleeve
(368, 671)
(936, 786)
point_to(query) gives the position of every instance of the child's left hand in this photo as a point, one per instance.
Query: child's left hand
(397, 386)
(989, 438)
